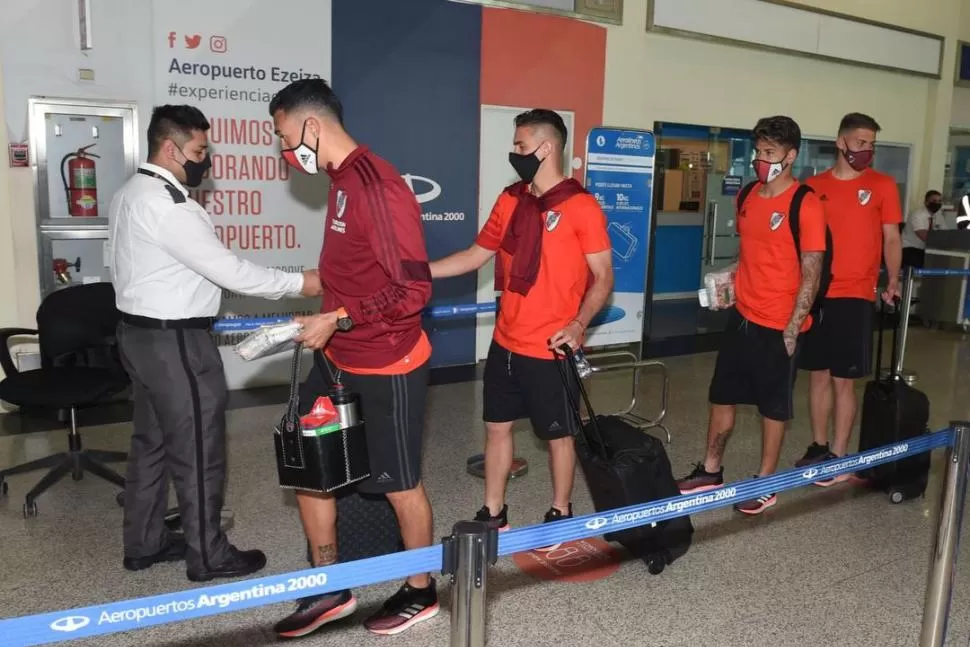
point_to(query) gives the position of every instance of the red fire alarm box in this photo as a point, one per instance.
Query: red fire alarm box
(19, 156)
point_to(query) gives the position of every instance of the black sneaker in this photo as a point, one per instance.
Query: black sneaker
(700, 480)
(404, 609)
(314, 612)
(552, 516)
(815, 454)
(499, 522)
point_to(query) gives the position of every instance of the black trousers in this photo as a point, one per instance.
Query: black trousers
(179, 434)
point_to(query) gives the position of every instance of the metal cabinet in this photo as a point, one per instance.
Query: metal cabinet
(82, 152)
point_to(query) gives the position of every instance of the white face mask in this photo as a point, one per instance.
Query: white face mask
(302, 157)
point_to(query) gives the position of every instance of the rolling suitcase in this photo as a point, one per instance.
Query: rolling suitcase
(892, 412)
(366, 526)
(366, 523)
(626, 466)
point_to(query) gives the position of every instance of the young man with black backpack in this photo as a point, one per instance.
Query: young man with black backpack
(863, 210)
(782, 256)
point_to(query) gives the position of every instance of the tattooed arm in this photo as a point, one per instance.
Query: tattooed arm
(811, 273)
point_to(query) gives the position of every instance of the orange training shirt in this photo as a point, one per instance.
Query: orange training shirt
(571, 230)
(769, 269)
(856, 211)
(415, 358)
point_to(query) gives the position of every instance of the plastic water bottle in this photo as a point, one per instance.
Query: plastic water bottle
(582, 364)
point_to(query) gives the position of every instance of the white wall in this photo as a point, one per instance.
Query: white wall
(960, 107)
(653, 77)
(39, 55)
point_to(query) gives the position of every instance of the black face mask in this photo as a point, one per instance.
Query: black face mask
(525, 165)
(194, 171)
(933, 207)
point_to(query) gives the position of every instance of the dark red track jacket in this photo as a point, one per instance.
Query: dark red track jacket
(374, 262)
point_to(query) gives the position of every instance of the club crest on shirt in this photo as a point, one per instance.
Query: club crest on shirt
(776, 219)
(865, 195)
(552, 220)
(341, 203)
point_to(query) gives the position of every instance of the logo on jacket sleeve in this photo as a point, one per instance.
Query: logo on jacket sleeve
(552, 220)
(776, 219)
(865, 195)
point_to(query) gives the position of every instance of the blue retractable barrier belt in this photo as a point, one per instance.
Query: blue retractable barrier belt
(246, 324)
(126, 615)
(928, 272)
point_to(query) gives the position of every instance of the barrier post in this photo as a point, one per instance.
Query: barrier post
(939, 583)
(905, 307)
(467, 554)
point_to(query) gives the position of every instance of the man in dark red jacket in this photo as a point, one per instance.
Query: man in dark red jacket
(368, 335)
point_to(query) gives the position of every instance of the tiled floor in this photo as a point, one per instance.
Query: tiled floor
(824, 567)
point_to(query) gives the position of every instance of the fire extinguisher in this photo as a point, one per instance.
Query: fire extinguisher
(80, 184)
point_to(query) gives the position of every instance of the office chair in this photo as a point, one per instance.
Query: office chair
(80, 365)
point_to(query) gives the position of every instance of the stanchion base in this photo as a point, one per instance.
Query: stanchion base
(475, 465)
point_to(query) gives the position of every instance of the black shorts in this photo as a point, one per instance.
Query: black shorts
(753, 367)
(841, 340)
(518, 387)
(393, 408)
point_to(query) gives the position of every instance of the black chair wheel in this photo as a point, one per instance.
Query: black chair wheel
(120, 498)
(656, 565)
(896, 496)
(30, 509)
(4, 487)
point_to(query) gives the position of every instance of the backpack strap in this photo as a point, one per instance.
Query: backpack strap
(793, 213)
(744, 193)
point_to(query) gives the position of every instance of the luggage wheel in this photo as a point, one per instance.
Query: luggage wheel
(896, 496)
(637, 364)
(656, 565)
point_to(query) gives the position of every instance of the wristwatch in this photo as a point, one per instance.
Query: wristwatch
(344, 322)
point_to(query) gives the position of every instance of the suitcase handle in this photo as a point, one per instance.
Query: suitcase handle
(896, 323)
(570, 360)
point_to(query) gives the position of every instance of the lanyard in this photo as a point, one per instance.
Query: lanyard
(173, 190)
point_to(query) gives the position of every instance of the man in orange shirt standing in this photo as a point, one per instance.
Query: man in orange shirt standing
(775, 287)
(555, 270)
(863, 212)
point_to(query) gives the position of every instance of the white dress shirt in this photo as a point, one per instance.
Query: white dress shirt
(167, 261)
(919, 220)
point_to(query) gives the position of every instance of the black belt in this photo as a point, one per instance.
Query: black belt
(202, 323)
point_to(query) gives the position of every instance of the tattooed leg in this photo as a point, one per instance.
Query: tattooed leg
(319, 515)
(326, 555)
(718, 430)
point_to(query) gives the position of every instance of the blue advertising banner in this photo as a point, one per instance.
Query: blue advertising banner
(409, 83)
(619, 172)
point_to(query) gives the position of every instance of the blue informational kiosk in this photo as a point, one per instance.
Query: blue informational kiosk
(619, 172)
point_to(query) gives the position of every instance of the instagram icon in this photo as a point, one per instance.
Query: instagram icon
(218, 44)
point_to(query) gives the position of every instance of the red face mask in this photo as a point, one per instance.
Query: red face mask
(767, 171)
(858, 160)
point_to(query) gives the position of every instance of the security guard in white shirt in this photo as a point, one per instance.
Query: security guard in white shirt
(169, 268)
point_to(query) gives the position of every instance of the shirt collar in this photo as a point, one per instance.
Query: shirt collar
(158, 170)
(348, 162)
